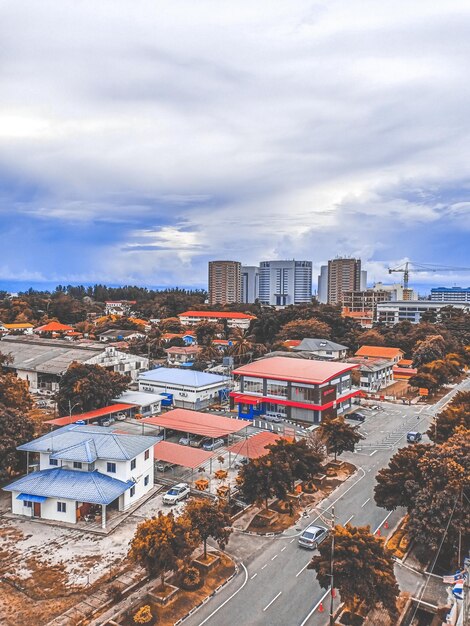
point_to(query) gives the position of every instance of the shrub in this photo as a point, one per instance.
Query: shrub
(191, 578)
(115, 591)
(143, 615)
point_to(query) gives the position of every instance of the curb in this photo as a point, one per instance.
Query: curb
(253, 534)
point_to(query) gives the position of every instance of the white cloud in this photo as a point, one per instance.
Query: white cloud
(248, 130)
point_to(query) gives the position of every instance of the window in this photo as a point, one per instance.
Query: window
(28, 504)
(53, 462)
(276, 389)
(77, 465)
(147, 455)
(61, 507)
(146, 480)
(111, 468)
(132, 492)
(133, 463)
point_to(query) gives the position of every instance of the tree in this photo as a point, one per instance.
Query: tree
(456, 413)
(431, 348)
(86, 387)
(209, 352)
(296, 459)
(371, 337)
(302, 329)
(339, 437)
(15, 429)
(424, 381)
(399, 482)
(209, 520)
(261, 479)
(206, 332)
(161, 543)
(363, 569)
(244, 344)
(171, 325)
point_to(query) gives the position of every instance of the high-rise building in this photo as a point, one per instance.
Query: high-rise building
(285, 282)
(250, 283)
(224, 282)
(365, 300)
(397, 291)
(322, 293)
(363, 286)
(343, 275)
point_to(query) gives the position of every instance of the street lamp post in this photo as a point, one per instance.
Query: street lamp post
(332, 561)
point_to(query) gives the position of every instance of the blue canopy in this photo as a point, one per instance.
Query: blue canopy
(31, 498)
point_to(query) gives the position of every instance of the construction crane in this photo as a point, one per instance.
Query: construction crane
(405, 269)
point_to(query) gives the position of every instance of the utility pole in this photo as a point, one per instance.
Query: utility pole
(332, 562)
(466, 592)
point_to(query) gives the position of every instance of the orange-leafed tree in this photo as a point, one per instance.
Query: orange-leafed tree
(209, 520)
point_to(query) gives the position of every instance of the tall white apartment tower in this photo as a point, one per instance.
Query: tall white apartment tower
(250, 283)
(322, 293)
(285, 282)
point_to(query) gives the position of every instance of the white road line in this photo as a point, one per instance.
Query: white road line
(268, 605)
(315, 607)
(229, 598)
(348, 520)
(264, 566)
(372, 453)
(362, 505)
(382, 522)
(303, 569)
(254, 576)
(292, 540)
(274, 557)
(282, 549)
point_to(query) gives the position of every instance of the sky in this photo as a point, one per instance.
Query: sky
(139, 140)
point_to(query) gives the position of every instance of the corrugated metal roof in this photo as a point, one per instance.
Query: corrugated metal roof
(85, 452)
(296, 370)
(50, 357)
(92, 487)
(139, 398)
(89, 415)
(319, 344)
(205, 424)
(181, 455)
(254, 447)
(193, 378)
(109, 445)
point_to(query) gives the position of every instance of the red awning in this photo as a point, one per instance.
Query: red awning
(205, 424)
(180, 455)
(90, 415)
(242, 399)
(254, 447)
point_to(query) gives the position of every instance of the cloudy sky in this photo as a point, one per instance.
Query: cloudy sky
(140, 139)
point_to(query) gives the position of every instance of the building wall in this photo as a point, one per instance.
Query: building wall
(391, 313)
(48, 509)
(121, 362)
(450, 294)
(285, 282)
(322, 294)
(232, 322)
(224, 282)
(184, 396)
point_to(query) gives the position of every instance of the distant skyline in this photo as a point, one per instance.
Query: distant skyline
(140, 141)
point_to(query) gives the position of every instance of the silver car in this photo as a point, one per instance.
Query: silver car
(312, 536)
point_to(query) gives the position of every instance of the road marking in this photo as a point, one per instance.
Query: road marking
(264, 566)
(282, 549)
(362, 505)
(372, 453)
(254, 576)
(303, 569)
(229, 598)
(348, 520)
(268, 605)
(274, 557)
(292, 540)
(315, 607)
(382, 522)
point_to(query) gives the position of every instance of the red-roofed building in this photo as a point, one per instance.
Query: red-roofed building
(295, 389)
(182, 355)
(380, 352)
(233, 318)
(94, 416)
(53, 327)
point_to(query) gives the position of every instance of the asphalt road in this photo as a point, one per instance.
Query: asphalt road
(273, 586)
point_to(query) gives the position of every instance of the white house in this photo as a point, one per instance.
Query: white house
(42, 362)
(189, 389)
(117, 334)
(82, 468)
(323, 348)
(17, 328)
(233, 319)
(118, 307)
(182, 355)
(147, 403)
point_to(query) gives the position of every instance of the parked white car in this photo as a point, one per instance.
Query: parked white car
(177, 493)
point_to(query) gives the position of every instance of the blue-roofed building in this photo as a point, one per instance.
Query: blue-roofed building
(190, 389)
(82, 468)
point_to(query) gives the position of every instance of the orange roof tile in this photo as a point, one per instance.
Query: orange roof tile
(379, 351)
(53, 327)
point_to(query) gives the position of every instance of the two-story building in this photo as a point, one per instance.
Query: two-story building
(81, 468)
(296, 389)
(380, 352)
(183, 356)
(376, 373)
(233, 319)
